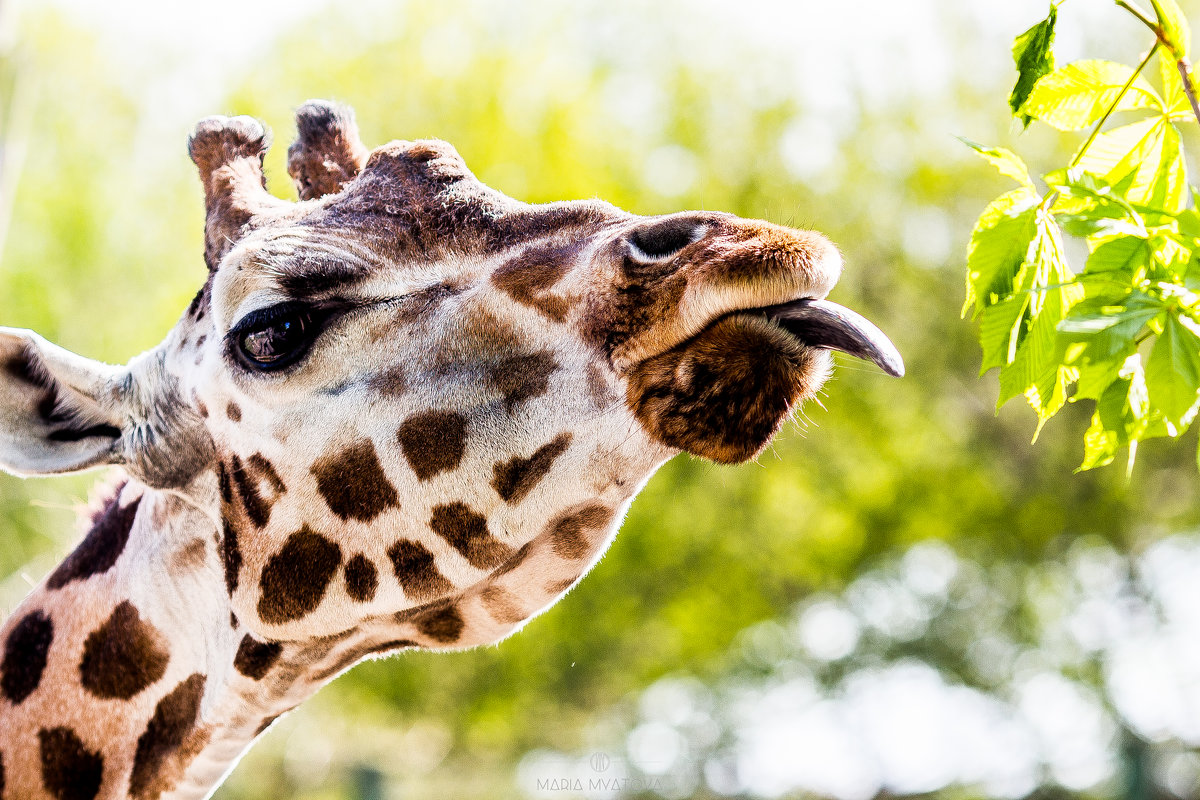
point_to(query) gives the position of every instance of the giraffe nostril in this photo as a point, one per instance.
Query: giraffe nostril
(664, 238)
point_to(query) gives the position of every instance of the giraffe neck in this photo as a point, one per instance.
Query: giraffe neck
(124, 673)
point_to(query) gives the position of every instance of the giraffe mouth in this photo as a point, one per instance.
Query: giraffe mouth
(829, 326)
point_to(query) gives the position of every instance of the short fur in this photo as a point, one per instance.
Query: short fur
(486, 386)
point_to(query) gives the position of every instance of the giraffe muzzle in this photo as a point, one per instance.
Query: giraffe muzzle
(829, 326)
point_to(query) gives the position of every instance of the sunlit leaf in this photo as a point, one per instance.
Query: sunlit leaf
(1109, 331)
(1120, 413)
(999, 331)
(1143, 161)
(1174, 99)
(1173, 373)
(1075, 96)
(1169, 258)
(1034, 56)
(1036, 370)
(1174, 25)
(998, 247)
(1076, 182)
(1034, 365)
(1189, 220)
(1005, 161)
(1100, 444)
(1095, 377)
(1124, 254)
(1089, 206)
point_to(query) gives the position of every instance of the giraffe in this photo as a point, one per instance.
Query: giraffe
(404, 411)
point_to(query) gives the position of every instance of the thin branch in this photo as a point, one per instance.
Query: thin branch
(1185, 72)
(1181, 61)
(1116, 102)
(1147, 20)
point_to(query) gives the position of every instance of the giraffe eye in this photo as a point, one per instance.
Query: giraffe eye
(275, 337)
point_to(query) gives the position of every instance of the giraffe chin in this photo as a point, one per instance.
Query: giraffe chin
(724, 393)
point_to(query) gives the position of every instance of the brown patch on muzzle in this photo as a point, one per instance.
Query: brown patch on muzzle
(724, 393)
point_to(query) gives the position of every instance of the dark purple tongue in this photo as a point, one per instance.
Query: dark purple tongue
(827, 325)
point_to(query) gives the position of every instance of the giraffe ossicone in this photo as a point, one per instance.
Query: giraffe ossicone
(406, 411)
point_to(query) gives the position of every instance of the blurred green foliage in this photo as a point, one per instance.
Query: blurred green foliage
(619, 101)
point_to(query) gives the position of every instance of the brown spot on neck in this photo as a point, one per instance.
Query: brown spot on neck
(600, 387)
(361, 578)
(529, 277)
(224, 483)
(191, 556)
(233, 556)
(433, 441)
(502, 605)
(174, 718)
(70, 771)
(123, 656)
(515, 478)
(102, 546)
(518, 558)
(25, 652)
(266, 723)
(390, 645)
(391, 382)
(523, 377)
(467, 531)
(353, 482)
(558, 587)
(441, 622)
(294, 579)
(250, 479)
(264, 470)
(416, 571)
(569, 531)
(254, 658)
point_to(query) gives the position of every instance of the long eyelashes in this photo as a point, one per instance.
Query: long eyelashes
(273, 338)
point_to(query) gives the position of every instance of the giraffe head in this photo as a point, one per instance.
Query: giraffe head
(408, 392)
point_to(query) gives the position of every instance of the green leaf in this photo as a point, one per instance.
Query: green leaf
(1174, 100)
(1102, 212)
(1123, 416)
(1173, 374)
(1109, 331)
(1189, 220)
(1143, 162)
(1035, 365)
(1075, 182)
(1000, 328)
(1125, 254)
(1169, 258)
(1095, 378)
(998, 247)
(1100, 444)
(1033, 54)
(1036, 370)
(1175, 31)
(1080, 93)
(1101, 222)
(1006, 161)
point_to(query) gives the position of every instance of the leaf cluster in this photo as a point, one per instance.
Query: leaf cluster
(1124, 329)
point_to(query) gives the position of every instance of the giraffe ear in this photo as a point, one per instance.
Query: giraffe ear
(56, 411)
